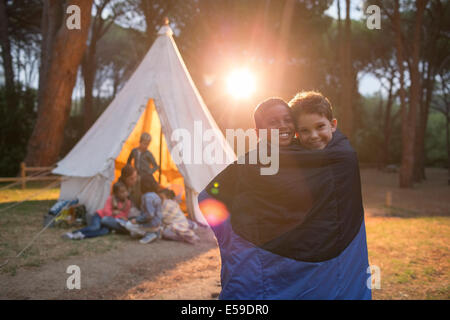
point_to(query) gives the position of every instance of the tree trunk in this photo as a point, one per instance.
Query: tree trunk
(68, 48)
(88, 68)
(346, 101)
(6, 49)
(409, 114)
(419, 168)
(89, 64)
(281, 48)
(52, 18)
(388, 124)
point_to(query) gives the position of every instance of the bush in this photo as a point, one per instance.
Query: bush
(17, 119)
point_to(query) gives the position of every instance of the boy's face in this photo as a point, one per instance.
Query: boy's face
(315, 131)
(278, 117)
(143, 145)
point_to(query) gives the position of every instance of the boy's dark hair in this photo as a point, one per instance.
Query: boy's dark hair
(145, 137)
(127, 171)
(117, 186)
(168, 193)
(265, 105)
(149, 185)
(311, 102)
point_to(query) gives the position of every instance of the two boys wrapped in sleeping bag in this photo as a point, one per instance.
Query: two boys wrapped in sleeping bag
(297, 234)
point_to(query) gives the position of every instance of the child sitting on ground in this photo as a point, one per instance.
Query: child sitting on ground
(175, 225)
(147, 224)
(116, 206)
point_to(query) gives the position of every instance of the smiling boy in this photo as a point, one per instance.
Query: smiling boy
(314, 119)
(274, 113)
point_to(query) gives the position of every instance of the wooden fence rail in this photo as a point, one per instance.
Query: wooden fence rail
(24, 178)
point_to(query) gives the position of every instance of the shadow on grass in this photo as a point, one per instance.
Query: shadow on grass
(397, 212)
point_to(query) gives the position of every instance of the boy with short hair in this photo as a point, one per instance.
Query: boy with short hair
(144, 161)
(313, 116)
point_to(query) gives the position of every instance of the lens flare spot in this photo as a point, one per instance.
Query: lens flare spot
(214, 211)
(241, 83)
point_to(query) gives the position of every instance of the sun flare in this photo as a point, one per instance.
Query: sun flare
(241, 83)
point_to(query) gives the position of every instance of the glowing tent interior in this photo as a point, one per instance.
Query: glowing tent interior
(160, 97)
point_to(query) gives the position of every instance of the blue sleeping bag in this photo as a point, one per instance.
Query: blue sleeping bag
(298, 234)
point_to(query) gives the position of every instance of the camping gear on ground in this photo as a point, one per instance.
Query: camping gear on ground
(159, 98)
(73, 216)
(61, 204)
(66, 213)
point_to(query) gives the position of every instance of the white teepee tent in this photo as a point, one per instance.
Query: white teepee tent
(159, 98)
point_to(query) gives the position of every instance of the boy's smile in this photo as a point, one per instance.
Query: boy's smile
(315, 131)
(279, 117)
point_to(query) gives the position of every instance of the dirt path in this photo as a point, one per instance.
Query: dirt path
(161, 270)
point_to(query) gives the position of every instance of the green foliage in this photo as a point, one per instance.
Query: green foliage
(369, 138)
(435, 140)
(16, 124)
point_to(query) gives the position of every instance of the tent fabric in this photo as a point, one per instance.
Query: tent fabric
(160, 96)
(297, 224)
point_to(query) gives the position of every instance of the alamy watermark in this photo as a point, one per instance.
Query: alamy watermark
(73, 21)
(74, 280)
(374, 17)
(206, 146)
(374, 280)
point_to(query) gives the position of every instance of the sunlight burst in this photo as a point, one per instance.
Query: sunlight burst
(241, 83)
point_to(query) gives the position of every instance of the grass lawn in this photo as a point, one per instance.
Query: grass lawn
(412, 251)
(21, 223)
(413, 255)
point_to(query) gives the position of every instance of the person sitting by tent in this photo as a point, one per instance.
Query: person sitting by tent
(132, 181)
(143, 159)
(175, 225)
(117, 206)
(148, 224)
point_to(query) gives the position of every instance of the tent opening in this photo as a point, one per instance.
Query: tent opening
(168, 175)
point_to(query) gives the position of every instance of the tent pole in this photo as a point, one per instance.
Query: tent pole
(160, 154)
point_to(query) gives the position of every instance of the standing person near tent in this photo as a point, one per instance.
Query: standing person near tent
(143, 159)
(175, 225)
(298, 234)
(117, 206)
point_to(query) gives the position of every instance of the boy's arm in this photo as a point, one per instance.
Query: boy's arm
(338, 150)
(125, 210)
(148, 211)
(152, 161)
(130, 157)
